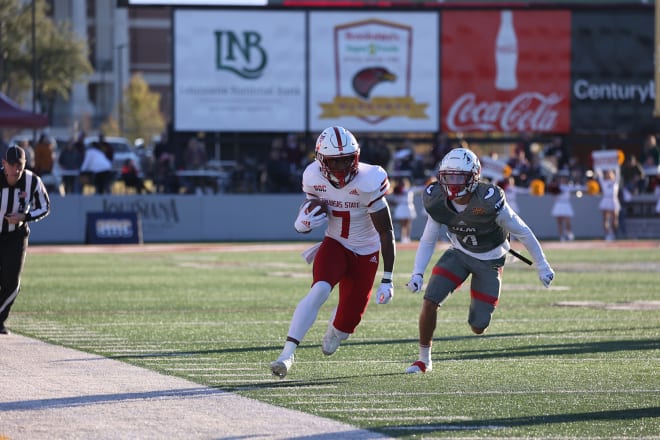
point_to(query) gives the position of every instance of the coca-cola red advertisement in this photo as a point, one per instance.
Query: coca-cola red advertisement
(506, 71)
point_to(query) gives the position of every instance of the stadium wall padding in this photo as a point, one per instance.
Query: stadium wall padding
(233, 217)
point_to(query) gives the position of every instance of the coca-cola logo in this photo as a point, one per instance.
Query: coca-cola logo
(529, 111)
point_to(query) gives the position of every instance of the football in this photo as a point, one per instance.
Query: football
(313, 203)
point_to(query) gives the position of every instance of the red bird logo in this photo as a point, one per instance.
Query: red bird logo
(366, 79)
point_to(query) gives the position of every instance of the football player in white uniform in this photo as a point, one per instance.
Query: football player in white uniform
(359, 229)
(479, 221)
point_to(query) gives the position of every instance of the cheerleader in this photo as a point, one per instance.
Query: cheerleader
(562, 210)
(609, 204)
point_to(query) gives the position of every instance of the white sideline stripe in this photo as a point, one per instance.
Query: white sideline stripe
(254, 376)
(411, 418)
(310, 388)
(448, 428)
(476, 393)
(338, 401)
(193, 323)
(377, 410)
(228, 369)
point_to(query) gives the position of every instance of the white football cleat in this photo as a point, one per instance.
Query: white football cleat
(332, 339)
(419, 367)
(281, 366)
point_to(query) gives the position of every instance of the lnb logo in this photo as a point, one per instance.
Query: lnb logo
(114, 228)
(240, 53)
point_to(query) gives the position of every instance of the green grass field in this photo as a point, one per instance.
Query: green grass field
(579, 360)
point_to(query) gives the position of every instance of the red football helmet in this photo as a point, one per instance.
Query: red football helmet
(338, 153)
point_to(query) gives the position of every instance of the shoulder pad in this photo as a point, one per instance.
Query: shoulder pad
(491, 194)
(373, 178)
(432, 192)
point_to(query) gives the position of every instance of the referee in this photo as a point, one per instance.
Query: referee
(23, 199)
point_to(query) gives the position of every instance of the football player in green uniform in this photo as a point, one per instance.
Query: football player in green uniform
(479, 221)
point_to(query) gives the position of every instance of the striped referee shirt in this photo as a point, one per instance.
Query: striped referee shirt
(29, 197)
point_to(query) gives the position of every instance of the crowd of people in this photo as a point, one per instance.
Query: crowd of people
(160, 167)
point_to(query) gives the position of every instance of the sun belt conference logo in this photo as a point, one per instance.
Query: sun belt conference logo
(372, 72)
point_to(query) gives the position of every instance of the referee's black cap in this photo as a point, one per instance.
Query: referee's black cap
(15, 154)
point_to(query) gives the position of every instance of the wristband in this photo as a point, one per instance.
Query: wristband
(387, 277)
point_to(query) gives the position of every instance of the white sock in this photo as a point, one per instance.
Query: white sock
(289, 349)
(425, 354)
(307, 310)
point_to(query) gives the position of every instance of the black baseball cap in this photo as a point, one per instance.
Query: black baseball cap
(15, 154)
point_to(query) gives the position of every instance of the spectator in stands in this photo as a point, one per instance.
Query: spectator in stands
(525, 145)
(441, 147)
(131, 177)
(557, 152)
(70, 161)
(29, 153)
(196, 159)
(382, 155)
(577, 171)
(79, 144)
(520, 167)
(278, 174)
(403, 159)
(650, 155)
(44, 155)
(166, 180)
(97, 165)
(105, 147)
(402, 200)
(194, 156)
(511, 192)
(633, 175)
(534, 171)
(294, 152)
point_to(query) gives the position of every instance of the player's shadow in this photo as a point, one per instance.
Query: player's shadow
(522, 349)
(517, 422)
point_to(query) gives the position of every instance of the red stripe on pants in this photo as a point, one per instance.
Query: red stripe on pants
(449, 275)
(484, 298)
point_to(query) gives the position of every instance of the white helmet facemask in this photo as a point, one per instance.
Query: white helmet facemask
(338, 153)
(459, 173)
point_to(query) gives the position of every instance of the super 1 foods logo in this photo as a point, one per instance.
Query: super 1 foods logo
(240, 53)
(372, 72)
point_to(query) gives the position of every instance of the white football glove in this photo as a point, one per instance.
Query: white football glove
(385, 293)
(305, 222)
(415, 283)
(546, 274)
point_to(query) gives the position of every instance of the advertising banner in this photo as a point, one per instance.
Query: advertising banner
(612, 81)
(113, 228)
(373, 71)
(506, 71)
(239, 71)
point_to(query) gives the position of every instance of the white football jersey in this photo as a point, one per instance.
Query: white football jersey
(349, 221)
